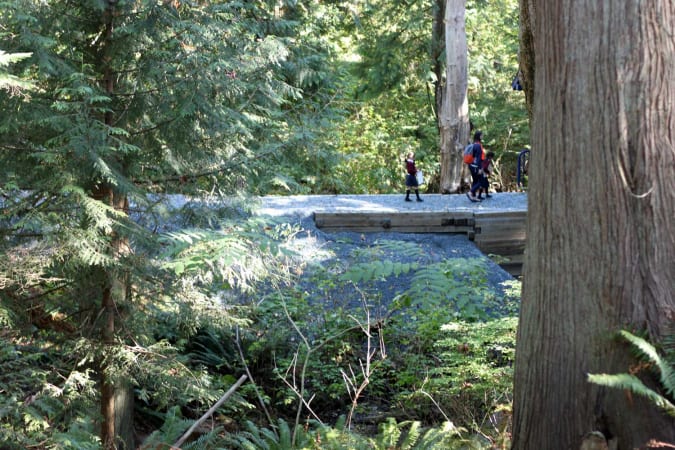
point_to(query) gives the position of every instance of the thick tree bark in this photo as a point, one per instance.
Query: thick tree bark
(601, 235)
(454, 109)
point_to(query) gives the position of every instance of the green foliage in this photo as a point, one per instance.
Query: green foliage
(456, 284)
(279, 438)
(235, 256)
(479, 356)
(412, 338)
(376, 270)
(394, 84)
(466, 373)
(171, 430)
(40, 398)
(631, 382)
(8, 81)
(407, 435)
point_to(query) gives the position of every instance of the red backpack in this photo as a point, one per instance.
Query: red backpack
(468, 154)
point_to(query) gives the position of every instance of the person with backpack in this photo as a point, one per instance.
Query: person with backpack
(473, 157)
(411, 177)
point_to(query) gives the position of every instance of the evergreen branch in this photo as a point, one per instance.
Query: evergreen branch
(229, 166)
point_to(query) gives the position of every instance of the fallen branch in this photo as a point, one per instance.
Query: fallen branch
(208, 413)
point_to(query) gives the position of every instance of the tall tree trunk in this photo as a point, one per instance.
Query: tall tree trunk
(107, 386)
(601, 235)
(116, 404)
(437, 55)
(117, 424)
(526, 54)
(454, 109)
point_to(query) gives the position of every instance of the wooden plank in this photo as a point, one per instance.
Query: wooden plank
(494, 240)
(502, 249)
(484, 239)
(505, 229)
(500, 224)
(399, 229)
(480, 220)
(407, 215)
(386, 220)
(500, 214)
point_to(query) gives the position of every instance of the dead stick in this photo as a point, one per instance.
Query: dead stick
(208, 413)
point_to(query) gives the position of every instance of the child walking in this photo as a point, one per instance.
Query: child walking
(486, 167)
(411, 178)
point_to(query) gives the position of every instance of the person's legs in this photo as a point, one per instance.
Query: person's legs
(411, 183)
(485, 186)
(476, 182)
(481, 189)
(408, 186)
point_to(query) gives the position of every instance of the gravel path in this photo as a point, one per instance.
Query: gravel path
(304, 205)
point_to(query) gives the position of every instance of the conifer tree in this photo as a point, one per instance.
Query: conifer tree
(131, 98)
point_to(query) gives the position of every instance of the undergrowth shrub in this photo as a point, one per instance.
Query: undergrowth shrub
(445, 306)
(45, 396)
(391, 434)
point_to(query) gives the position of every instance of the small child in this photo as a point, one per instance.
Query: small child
(410, 178)
(486, 167)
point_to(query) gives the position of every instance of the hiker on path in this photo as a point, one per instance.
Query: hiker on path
(411, 177)
(486, 166)
(475, 166)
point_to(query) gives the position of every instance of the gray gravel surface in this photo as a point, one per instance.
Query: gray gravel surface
(337, 251)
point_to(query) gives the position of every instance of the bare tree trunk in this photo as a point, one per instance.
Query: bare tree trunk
(526, 53)
(601, 235)
(437, 55)
(454, 109)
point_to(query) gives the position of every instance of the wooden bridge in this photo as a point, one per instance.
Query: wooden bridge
(496, 225)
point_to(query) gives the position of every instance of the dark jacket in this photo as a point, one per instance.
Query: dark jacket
(410, 166)
(477, 153)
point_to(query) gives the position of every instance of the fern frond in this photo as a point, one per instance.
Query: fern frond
(666, 372)
(635, 385)
(174, 426)
(389, 434)
(285, 435)
(408, 249)
(376, 270)
(412, 435)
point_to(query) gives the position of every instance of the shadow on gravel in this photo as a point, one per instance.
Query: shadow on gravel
(391, 270)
